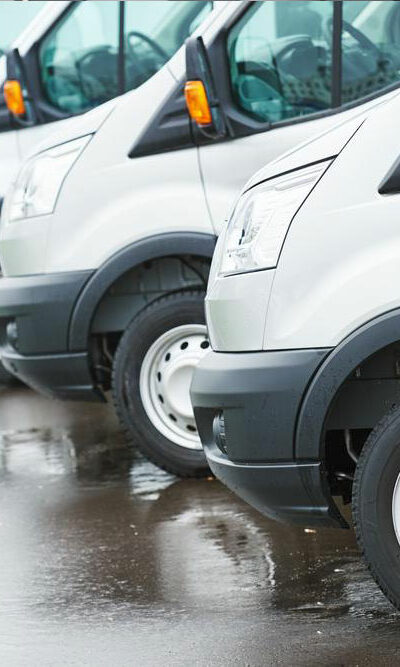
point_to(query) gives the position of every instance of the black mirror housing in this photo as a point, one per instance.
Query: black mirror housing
(198, 68)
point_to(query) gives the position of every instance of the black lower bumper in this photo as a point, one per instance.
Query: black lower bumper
(35, 314)
(257, 396)
(287, 491)
(64, 376)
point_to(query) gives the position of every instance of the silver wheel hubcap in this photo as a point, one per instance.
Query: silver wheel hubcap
(396, 509)
(165, 379)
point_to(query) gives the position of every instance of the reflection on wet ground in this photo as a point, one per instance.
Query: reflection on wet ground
(105, 560)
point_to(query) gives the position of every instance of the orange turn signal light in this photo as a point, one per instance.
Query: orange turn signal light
(14, 97)
(197, 102)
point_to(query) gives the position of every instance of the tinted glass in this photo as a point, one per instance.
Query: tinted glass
(79, 57)
(370, 48)
(280, 57)
(154, 31)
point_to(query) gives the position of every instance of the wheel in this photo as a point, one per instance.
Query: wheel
(152, 372)
(376, 505)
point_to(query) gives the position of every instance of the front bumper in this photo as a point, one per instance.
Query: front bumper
(259, 395)
(35, 314)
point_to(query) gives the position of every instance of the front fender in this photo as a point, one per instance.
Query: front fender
(338, 365)
(160, 245)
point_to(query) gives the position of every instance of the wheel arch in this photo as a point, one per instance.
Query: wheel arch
(128, 258)
(343, 360)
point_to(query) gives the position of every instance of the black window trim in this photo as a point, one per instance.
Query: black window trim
(337, 30)
(121, 83)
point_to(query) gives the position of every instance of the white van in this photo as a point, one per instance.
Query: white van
(74, 56)
(299, 400)
(109, 230)
(14, 17)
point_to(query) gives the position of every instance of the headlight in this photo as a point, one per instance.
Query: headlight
(39, 182)
(257, 228)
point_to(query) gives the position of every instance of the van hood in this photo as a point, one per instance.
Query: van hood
(321, 147)
(77, 126)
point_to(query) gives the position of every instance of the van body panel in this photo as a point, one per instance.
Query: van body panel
(275, 147)
(9, 146)
(42, 137)
(236, 307)
(125, 199)
(358, 279)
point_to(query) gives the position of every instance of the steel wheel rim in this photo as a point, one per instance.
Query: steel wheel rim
(165, 378)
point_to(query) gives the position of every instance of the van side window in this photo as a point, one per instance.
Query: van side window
(280, 56)
(154, 31)
(370, 48)
(79, 57)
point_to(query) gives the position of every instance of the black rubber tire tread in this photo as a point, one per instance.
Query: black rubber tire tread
(184, 307)
(371, 446)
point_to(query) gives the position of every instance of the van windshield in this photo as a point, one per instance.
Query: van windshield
(14, 17)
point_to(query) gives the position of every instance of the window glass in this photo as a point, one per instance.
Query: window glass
(14, 17)
(154, 31)
(280, 57)
(79, 57)
(370, 48)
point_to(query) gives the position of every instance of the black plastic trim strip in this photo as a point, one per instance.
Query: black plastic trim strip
(289, 492)
(391, 183)
(121, 49)
(337, 54)
(168, 130)
(31, 300)
(160, 245)
(340, 363)
(64, 376)
(259, 394)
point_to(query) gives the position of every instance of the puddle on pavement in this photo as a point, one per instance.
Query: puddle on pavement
(93, 536)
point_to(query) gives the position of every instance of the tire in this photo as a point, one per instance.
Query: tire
(376, 485)
(151, 377)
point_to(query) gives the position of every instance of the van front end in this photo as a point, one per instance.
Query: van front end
(247, 398)
(105, 273)
(303, 313)
(298, 403)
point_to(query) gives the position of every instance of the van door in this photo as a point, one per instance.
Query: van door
(98, 50)
(288, 66)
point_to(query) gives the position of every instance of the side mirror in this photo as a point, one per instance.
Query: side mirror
(16, 91)
(201, 99)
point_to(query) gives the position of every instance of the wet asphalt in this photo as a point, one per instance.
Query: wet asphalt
(106, 560)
